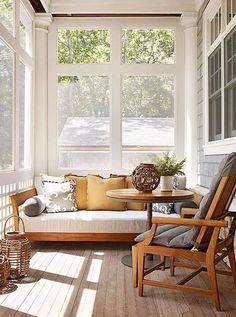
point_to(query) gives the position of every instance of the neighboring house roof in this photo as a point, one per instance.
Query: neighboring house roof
(86, 131)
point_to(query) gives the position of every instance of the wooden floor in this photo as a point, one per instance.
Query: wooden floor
(88, 279)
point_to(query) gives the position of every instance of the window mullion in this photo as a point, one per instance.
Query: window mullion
(116, 108)
(222, 90)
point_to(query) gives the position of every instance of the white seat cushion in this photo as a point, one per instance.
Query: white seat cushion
(84, 221)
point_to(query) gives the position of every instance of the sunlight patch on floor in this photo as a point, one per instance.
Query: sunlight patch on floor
(94, 271)
(63, 258)
(99, 253)
(86, 305)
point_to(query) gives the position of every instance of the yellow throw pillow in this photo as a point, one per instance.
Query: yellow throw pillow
(96, 193)
(80, 190)
(132, 206)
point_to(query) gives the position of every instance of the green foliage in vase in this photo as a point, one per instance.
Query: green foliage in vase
(168, 165)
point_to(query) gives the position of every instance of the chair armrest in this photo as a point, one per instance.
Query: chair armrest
(189, 222)
(188, 212)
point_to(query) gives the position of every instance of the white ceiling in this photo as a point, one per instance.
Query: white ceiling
(121, 6)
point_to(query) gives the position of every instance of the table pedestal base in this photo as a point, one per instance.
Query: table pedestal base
(150, 261)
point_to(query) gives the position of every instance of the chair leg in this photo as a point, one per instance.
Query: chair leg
(231, 257)
(163, 258)
(140, 272)
(135, 265)
(172, 268)
(213, 282)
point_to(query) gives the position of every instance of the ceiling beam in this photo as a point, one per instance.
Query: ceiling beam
(120, 6)
(37, 5)
(116, 15)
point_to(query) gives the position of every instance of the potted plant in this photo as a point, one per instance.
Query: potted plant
(167, 168)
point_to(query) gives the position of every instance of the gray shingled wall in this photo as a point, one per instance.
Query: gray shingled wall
(207, 165)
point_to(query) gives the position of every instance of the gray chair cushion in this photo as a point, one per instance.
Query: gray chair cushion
(184, 204)
(168, 236)
(34, 206)
(185, 237)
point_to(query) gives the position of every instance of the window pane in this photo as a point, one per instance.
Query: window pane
(25, 117)
(83, 122)
(147, 46)
(132, 159)
(148, 117)
(215, 118)
(25, 30)
(83, 46)
(230, 112)
(84, 160)
(219, 18)
(212, 30)
(230, 52)
(234, 8)
(228, 11)
(214, 68)
(6, 107)
(216, 26)
(7, 14)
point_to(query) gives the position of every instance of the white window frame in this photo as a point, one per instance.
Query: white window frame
(228, 145)
(16, 174)
(115, 69)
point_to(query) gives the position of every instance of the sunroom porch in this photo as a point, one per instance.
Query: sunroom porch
(96, 88)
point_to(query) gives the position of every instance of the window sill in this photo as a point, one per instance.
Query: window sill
(220, 147)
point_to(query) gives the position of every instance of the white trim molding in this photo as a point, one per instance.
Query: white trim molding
(189, 23)
(43, 21)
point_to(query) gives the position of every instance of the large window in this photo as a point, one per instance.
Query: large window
(15, 85)
(114, 88)
(220, 77)
(16, 106)
(6, 106)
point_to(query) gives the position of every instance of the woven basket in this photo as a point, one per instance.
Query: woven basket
(16, 247)
(4, 270)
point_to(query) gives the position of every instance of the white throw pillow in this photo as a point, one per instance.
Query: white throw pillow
(59, 196)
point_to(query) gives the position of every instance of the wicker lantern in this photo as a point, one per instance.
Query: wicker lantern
(145, 177)
(4, 270)
(16, 247)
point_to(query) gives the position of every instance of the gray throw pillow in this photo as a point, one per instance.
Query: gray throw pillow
(34, 206)
(60, 196)
(164, 208)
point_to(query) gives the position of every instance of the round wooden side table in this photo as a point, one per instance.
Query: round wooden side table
(133, 195)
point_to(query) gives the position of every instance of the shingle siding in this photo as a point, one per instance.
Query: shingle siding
(207, 164)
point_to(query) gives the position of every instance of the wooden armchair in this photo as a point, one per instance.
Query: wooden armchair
(207, 249)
